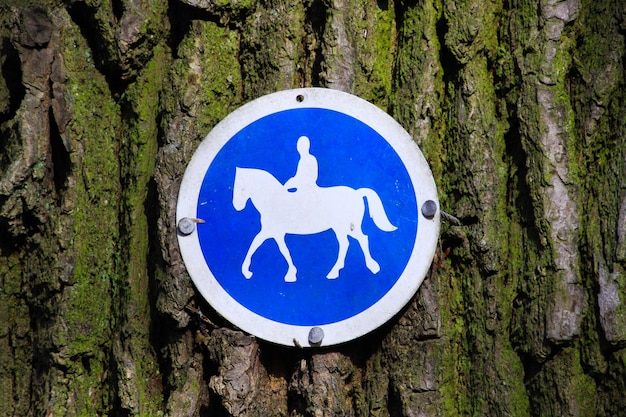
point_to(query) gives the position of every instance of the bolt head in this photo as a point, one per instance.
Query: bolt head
(316, 335)
(186, 226)
(429, 209)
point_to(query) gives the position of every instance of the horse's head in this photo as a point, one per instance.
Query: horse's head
(257, 185)
(240, 196)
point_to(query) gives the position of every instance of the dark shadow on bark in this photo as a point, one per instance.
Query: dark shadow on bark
(12, 74)
(519, 189)
(60, 158)
(316, 15)
(10, 144)
(153, 259)
(394, 401)
(215, 407)
(295, 400)
(180, 16)
(520, 201)
(160, 327)
(117, 7)
(84, 17)
(449, 63)
(407, 4)
(117, 410)
(400, 8)
(8, 244)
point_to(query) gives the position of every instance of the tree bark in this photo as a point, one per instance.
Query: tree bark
(519, 107)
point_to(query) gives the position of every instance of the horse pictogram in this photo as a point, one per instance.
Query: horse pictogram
(308, 210)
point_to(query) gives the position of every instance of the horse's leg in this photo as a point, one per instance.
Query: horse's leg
(363, 240)
(290, 276)
(256, 242)
(341, 256)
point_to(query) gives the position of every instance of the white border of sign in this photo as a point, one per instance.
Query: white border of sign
(425, 242)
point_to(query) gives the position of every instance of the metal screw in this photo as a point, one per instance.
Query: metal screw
(186, 226)
(316, 334)
(449, 217)
(429, 208)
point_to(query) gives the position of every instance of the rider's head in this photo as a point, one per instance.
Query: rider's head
(303, 145)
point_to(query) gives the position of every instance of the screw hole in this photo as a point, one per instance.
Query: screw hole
(299, 98)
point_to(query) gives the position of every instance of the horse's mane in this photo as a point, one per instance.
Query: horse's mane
(260, 176)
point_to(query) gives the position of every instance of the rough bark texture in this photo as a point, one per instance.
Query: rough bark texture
(519, 107)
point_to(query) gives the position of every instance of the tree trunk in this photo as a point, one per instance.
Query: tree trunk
(519, 107)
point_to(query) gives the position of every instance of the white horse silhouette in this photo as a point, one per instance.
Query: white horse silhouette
(309, 211)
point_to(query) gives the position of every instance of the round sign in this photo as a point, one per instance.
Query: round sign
(308, 217)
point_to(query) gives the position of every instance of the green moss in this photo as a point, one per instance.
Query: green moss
(597, 94)
(208, 73)
(484, 374)
(95, 214)
(575, 389)
(132, 293)
(472, 28)
(374, 32)
(235, 5)
(272, 49)
(455, 363)
(511, 378)
(418, 83)
(16, 347)
(84, 310)
(612, 384)
(455, 386)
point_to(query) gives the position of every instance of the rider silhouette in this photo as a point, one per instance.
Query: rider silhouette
(307, 171)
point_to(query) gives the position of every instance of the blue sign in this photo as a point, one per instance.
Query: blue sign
(307, 211)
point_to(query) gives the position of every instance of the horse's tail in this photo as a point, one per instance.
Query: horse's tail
(377, 211)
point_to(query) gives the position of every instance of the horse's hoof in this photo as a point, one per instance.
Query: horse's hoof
(290, 278)
(374, 267)
(332, 275)
(247, 274)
